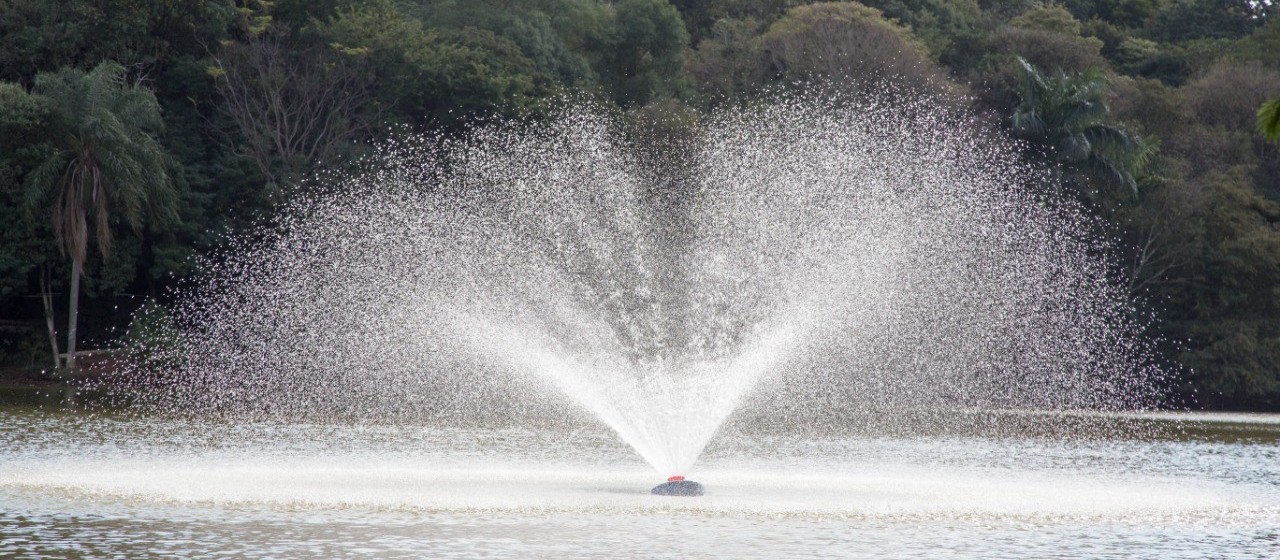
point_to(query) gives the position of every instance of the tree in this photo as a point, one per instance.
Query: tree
(1065, 118)
(851, 45)
(1049, 37)
(1224, 103)
(951, 29)
(556, 36)
(425, 76)
(1269, 120)
(23, 241)
(728, 62)
(1126, 13)
(1224, 305)
(645, 54)
(105, 163)
(43, 35)
(1186, 20)
(1212, 205)
(294, 102)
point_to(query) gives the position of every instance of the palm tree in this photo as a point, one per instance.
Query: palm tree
(1269, 120)
(106, 161)
(1066, 118)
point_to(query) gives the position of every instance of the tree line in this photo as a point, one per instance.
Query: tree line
(134, 134)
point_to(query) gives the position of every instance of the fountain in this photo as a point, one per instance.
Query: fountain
(677, 486)
(800, 262)
(858, 324)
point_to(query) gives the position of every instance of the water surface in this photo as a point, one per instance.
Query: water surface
(79, 485)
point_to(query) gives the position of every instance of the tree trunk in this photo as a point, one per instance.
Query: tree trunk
(148, 260)
(46, 294)
(71, 315)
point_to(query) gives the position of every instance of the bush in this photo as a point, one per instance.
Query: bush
(850, 44)
(153, 342)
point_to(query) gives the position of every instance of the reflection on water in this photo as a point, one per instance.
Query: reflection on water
(78, 485)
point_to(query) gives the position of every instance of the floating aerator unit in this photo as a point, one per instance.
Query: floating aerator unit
(678, 486)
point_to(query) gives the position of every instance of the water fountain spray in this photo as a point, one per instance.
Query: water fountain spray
(814, 257)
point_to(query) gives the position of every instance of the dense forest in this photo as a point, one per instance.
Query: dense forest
(133, 134)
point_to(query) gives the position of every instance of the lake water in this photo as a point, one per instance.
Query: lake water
(76, 485)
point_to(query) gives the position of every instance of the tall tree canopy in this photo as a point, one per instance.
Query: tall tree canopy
(256, 95)
(1066, 119)
(104, 163)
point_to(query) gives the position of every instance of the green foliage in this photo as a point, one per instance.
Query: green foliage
(44, 35)
(1066, 118)
(850, 44)
(1227, 306)
(296, 14)
(1229, 94)
(1142, 57)
(1185, 20)
(1048, 37)
(1269, 120)
(106, 160)
(1198, 78)
(1263, 46)
(728, 63)
(701, 15)
(1123, 13)
(644, 56)
(22, 117)
(430, 75)
(556, 36)
(1209, 223)
(153, 341)
(949, 28)
(1049, 17)
(38, 35)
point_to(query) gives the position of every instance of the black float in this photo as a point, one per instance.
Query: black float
(677, 486)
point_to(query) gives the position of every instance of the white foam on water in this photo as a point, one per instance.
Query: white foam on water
(437, 484)
(73, 485)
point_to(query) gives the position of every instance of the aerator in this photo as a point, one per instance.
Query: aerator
(677, 486)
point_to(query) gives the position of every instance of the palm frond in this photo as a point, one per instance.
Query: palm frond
(1269, 120)
(1075, 148)
(1028, 123)
(1112, 174)
(42, 181)
(107, 160)
(1079, 114)
(1111, 137)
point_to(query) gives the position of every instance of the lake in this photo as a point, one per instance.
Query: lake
(76, 485)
